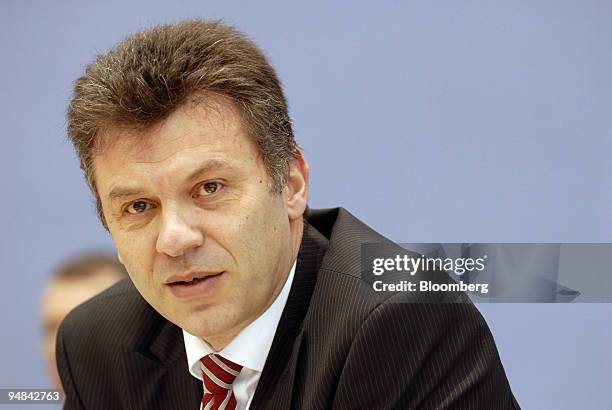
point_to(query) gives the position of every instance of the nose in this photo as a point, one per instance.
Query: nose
(177, 233)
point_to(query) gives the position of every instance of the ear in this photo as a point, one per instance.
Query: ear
(295, 192)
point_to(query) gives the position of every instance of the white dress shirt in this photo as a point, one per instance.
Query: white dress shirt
(249, 348)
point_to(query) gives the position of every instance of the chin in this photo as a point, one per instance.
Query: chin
(208, 325)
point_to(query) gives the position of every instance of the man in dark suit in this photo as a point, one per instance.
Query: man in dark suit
(235, 300)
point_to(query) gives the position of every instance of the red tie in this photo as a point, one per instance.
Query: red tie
(218, 374)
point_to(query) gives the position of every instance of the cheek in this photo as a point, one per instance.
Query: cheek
(137, 255)
(252, 241)
(266, 247)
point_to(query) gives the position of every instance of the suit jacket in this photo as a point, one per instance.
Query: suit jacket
(338, 344)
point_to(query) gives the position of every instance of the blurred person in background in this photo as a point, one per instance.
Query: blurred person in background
(74, 282)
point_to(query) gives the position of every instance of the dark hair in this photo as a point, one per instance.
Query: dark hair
(150, 74)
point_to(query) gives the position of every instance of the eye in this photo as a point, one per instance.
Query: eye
(137, 207)
(208, 188)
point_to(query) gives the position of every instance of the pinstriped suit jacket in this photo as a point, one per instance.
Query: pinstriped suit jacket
(338, 345)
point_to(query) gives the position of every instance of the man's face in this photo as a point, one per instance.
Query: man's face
(189, 206)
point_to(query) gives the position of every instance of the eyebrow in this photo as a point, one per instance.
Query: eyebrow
(120, 192)
(210, 165)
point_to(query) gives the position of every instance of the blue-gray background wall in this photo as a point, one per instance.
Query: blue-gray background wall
(456, 121)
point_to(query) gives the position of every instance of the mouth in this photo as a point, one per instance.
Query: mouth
(195, 284)
(187, 283)
(191, 279)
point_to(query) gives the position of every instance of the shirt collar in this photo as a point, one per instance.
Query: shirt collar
(251, 346)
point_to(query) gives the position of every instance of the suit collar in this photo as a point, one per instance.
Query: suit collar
(346, 236)
(154, 369)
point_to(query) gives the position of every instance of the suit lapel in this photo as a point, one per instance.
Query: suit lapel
(156, 373)
(275, 386)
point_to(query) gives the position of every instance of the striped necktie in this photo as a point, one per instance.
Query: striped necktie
(218, 374)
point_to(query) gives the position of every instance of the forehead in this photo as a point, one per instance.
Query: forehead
(61, 295)
(213, 120)
(208, 130)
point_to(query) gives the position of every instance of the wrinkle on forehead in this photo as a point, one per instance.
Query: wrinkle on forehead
(212, 112)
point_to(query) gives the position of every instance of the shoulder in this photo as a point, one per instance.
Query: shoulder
(97, 335)
(117, 316)
(341, 278)
(425, 350)
(344, 303)
(348, 313)
(424, 355)
(345, 273)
